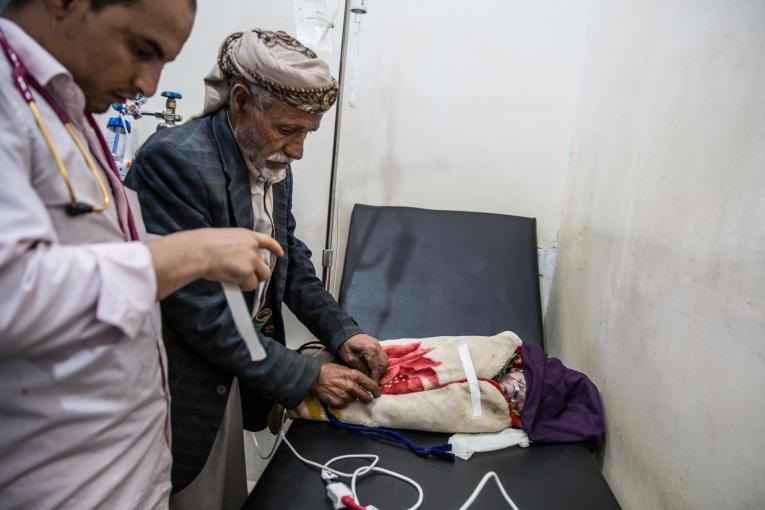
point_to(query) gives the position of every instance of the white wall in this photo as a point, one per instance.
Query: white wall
(465, 106)
(659, 293)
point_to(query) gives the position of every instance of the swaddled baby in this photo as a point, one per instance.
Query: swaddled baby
(425, 387)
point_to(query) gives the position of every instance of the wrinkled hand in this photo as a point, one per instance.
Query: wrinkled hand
(364, 353)
(337, 386)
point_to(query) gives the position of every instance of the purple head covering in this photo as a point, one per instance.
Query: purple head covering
(562, 405)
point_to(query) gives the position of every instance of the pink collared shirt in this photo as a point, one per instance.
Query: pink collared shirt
(84, 404)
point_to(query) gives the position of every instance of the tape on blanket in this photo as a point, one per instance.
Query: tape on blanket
(475, 389)
(243, 321)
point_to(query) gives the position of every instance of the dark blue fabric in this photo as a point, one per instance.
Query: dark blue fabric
(386, 435)
(193, 176)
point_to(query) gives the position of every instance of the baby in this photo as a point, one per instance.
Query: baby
(425, 388)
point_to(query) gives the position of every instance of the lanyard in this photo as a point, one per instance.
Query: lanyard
(23, 79)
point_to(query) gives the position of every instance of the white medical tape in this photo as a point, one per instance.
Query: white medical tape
(243, 321)
(475, 389)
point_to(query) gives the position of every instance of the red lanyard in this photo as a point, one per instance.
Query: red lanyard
(22, 79)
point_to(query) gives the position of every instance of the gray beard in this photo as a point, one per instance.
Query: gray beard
(250, 160)
(270, 175)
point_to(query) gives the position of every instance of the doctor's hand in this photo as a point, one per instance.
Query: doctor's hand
(230, 255)
(233, 255)
(364, 353)
(337, 386)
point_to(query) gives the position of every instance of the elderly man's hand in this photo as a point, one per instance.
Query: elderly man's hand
(337, 386)
(364, 353)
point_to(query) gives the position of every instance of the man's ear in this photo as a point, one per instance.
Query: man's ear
(241, 99)
(62, 8)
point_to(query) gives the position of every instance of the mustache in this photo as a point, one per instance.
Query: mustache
(279, 157)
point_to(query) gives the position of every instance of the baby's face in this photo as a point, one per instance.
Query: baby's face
(513, 383)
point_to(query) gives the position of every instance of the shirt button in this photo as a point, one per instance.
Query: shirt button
(221, 389)
(261, 179)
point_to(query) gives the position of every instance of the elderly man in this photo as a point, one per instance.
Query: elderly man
(230, 167)
(84, 405)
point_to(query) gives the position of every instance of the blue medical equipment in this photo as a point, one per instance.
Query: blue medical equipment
(118, 131)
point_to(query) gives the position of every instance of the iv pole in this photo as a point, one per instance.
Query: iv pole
(327, 255)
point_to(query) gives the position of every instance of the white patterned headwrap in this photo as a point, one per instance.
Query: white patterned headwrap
(276, 62)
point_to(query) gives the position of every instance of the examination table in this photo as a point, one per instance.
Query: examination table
(417, 273)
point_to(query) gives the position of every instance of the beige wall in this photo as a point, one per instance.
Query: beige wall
(659, 289)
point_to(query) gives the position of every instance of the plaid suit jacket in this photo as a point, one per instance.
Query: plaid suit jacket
(193, 176)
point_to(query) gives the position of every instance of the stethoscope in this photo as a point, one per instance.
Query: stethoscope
(22, 78)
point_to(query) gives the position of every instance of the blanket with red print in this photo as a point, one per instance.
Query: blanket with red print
(425, 387)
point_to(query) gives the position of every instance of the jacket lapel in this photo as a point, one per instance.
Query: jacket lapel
(281, 209)
(239, 193)
(280, 213)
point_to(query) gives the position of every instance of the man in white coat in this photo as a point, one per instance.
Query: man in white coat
(84, 401)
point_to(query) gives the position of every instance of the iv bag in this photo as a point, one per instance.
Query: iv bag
(313, 20)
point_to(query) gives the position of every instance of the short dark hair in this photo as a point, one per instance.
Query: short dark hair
(96, 5)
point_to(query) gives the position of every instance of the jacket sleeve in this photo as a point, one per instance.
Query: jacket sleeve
(305, 295)
(174, 197)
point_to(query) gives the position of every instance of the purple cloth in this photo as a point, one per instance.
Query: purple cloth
(562, 405)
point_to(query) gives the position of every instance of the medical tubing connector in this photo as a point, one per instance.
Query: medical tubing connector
(328, 473)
